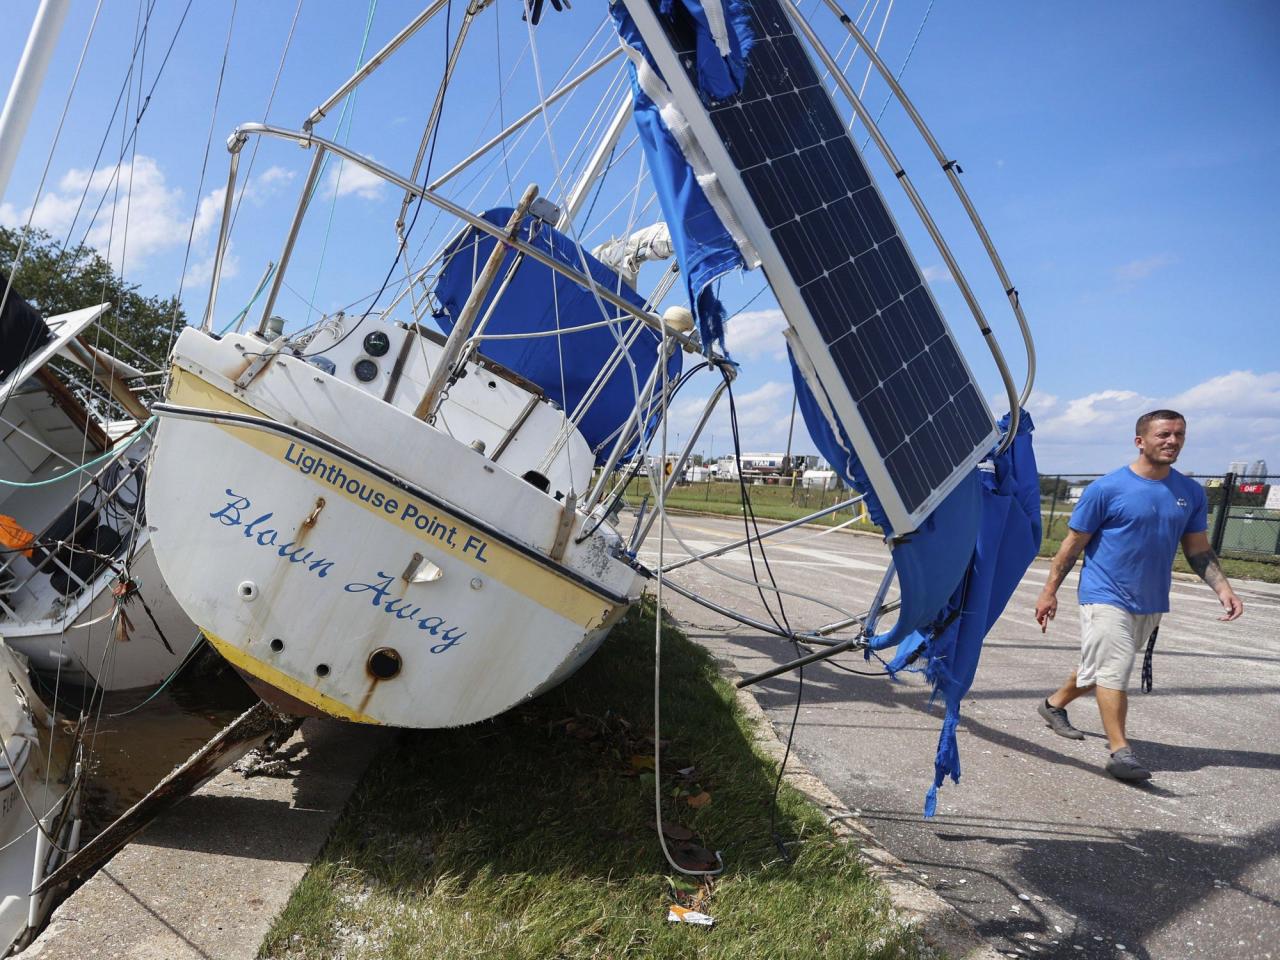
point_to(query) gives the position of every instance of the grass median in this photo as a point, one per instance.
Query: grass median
(533, 835)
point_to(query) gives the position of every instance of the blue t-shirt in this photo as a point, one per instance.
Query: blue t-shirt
(1137, 525)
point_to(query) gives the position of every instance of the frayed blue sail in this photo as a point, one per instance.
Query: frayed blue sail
(538, 299)
(707, 239)
(949, 647)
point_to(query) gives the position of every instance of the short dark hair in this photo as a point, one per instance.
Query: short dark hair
(1144, 421)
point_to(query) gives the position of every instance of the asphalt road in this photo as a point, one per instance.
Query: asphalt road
(1045, 853)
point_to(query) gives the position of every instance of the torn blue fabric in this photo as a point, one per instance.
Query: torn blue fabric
(704, 248)
(719, 76)
(538, 299)
(1008, 540)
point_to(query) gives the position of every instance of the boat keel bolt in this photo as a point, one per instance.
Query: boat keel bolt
(276, 645)
(322, 669)
(384, 663)
(476, 583)
(248, 590)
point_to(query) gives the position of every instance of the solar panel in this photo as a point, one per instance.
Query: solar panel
(849, 287)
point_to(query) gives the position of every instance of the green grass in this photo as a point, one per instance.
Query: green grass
(768, 502)
(530, 836)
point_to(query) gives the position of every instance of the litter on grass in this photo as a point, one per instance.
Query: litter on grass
(677, 914)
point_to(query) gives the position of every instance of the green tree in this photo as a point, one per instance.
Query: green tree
(56, 280)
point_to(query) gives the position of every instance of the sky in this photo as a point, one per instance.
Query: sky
(1122, 157)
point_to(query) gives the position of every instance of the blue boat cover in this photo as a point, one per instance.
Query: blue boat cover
(955, 573)
(538, 299)
(1008, 540)
(704, 248)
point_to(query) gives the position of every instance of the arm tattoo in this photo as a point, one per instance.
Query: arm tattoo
(1061, 566)
(1205, 564)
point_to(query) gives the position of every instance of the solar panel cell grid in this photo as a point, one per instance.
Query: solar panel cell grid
(853, 272)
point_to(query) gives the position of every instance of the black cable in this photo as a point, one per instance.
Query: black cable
(749, 522)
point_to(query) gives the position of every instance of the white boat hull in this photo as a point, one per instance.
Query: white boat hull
(81, 647)
(344, 586)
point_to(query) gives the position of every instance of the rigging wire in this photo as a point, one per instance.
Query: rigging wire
(204, 168)
(348, 101)
(902, 69)
(401, 246)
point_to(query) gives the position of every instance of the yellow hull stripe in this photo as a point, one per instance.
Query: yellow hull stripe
(285, 683)
(559, 594)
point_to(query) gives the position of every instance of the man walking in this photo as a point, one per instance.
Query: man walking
(1128, 524)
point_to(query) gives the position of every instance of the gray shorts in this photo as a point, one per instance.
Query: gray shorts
(1110, 639)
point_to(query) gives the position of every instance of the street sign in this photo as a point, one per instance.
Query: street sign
(1252, 487)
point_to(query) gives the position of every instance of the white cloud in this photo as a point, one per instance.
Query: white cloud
(200, 272)
(755, 334)
(763, 417)
(140, 212)
(347, 179)
(1140, 269)
(1232, 416)
(938, 273)
(137, 196)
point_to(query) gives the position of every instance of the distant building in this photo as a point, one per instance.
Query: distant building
(1258, 469)
(1239, 467)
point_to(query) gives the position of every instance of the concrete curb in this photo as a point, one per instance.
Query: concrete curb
(209, 877)
(940, 924)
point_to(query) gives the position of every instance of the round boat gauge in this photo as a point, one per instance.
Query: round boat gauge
(366, 370)
(376, 344)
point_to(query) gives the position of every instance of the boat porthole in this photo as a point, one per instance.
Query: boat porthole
(322, 669)
(277, 645)
(248, 590)
(365, 370)
(384, 663)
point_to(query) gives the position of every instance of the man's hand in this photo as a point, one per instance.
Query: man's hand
(1059, 567)
(1046, 609)
(1232, 604)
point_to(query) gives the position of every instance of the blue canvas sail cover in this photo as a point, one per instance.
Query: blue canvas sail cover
(702, 227)
(955, 572)
(537, 299)
(1008, 540)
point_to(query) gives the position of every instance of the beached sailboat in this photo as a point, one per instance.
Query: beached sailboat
(391, 525)
(72, 509)
(30, 852)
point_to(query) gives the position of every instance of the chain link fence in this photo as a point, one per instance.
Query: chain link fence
(1244, 512)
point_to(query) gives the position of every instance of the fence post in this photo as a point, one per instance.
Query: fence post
(1053, 504)
(1220, 521)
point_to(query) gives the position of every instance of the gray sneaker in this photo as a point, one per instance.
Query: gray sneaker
(1056, 718)
(1123, 765)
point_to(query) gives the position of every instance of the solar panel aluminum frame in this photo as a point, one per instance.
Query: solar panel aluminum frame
(787, 291)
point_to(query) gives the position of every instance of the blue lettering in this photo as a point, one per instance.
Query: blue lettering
(229, 516)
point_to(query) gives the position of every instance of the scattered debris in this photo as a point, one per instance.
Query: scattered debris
(678, 914)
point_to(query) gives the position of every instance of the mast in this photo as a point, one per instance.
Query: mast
(27, 81)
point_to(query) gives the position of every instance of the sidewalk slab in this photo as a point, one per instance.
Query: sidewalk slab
(207, 879)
